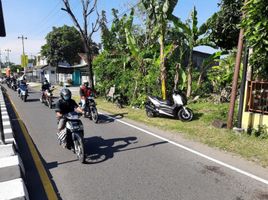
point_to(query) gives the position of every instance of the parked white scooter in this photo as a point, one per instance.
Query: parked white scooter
(156, 106)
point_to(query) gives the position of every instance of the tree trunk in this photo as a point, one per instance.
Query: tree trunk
(162, 67)
(135, 90)
(176, 77)
(89, 63)
(200, 78)
(189, 75)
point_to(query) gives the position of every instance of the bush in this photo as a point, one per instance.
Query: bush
(261, 132)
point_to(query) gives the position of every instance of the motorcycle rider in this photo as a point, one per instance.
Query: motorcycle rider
(45, 86)
(22, 81)
(84, 92)
(63, 106)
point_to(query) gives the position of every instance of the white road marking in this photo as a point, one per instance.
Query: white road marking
(194, 152)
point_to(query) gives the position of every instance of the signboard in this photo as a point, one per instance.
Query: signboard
(24, 60)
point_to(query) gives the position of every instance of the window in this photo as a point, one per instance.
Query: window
(257, 99)
(52, 72)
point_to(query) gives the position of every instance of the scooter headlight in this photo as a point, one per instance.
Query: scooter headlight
(74, 126)
(69, 125)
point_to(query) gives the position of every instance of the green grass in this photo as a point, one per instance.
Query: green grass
(201, 130)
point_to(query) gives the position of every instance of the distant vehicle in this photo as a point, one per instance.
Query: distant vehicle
(91, 109)
(23, 92)
(47, 97)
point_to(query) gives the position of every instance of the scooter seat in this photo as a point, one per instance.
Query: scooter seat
(161, 101)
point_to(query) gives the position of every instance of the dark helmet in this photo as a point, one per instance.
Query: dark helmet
(85, 83)
(46, 81)
(65, 94)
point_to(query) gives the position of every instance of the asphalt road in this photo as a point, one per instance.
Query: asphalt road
(124, 163)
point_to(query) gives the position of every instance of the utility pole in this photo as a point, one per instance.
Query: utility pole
(7, 60)
(236, 75)
(23, 53)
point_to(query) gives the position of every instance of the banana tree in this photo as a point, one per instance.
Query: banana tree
(206, 64)
(159, 12)
(195, 36)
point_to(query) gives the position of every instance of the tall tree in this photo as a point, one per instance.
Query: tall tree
(159, 12)
(62, 44)
(88, 9)
(255, 24)
(224, 24)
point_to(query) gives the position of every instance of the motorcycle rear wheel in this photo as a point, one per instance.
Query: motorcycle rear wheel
(79, 148)
(49, 103)
(94, 115)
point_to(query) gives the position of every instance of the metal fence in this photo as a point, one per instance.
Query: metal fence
(257, 100)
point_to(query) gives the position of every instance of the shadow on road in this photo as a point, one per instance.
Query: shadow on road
(103, 119)
(32, 100)
(99, 150)
(32, 92)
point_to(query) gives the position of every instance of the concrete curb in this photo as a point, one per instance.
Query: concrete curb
(12, 172)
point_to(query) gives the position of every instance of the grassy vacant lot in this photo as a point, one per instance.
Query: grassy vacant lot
(201, 130)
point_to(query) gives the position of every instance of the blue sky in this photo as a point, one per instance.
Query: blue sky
(35, 19)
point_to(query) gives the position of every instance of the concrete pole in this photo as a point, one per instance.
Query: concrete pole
(23, 53)
(7, 60)
(235, 78)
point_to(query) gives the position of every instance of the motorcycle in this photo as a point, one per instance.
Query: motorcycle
(91, 109)
(73, 135)
(23, 91)
(47, 97)
(14, 85)
(156, 107)
(8, 82)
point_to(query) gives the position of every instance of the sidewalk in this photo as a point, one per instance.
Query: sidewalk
(12, 171)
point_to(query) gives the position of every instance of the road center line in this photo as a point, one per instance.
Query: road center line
(193, 151)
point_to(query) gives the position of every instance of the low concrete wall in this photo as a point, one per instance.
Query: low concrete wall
(253, 120)
(12, 172)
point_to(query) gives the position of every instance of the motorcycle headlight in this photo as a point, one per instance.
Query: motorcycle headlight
(74, 126)
(69, 125)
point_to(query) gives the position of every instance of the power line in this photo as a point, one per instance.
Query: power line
(50, 13)
(51, 22)
(124, 12)
(45, 20)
